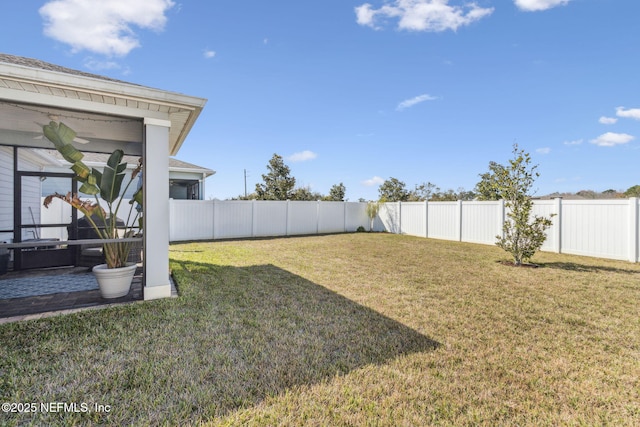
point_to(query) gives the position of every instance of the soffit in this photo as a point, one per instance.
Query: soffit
(89, 94)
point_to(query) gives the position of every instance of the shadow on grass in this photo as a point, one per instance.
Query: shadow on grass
(234, 337)
(275, 330)
(582, 268)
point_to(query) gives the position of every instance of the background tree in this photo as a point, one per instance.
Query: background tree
(423, 192)
(393, 190)
(488, 187)
(336, 193)
(305, 194)
(278, 184)
(633, 191)
(524, 233)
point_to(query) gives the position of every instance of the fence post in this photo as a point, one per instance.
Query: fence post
(501, 217)
(317, 216)
(215, 218)
(633, 229)
(287, 216)
(557, 226)
(345, 210)
(459, 214)
(253, 218)
(399, 217)
(426, 219)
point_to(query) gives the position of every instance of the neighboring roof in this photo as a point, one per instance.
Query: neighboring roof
(33, 81)
(100, 158)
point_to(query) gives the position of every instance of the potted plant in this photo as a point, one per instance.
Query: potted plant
(114, 278)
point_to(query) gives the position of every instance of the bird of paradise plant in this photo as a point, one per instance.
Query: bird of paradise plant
(107, 185)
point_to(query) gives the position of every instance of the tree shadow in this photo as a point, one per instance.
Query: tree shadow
(582, 268)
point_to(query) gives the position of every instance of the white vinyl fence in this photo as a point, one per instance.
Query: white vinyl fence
(598, 228)
(213, 219)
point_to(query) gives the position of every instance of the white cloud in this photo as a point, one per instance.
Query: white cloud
(574, 142)
(611, 139)
(631, 113)
(376, 180)
(407, 103)
(543, 150)
(209, 54)
(422, 15)
(302, 156)
(607, 120)
(538, 5)
(103, 27)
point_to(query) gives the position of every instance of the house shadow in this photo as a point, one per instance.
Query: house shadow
(269, 330)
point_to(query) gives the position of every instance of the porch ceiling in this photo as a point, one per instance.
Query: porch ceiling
(34, 92)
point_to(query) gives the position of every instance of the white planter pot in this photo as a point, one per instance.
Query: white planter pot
(114, 282)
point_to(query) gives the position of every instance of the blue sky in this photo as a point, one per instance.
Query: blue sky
(357, 92)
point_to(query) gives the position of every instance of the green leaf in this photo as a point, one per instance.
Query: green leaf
(112, 177)
(82, 171)
(87, 188)
(137, 197)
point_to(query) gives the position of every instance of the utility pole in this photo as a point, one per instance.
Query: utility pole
(245, 183)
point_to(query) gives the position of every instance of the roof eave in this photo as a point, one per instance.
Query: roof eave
(161, 104)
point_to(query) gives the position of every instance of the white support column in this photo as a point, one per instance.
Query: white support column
(156, 208)
(633, 229)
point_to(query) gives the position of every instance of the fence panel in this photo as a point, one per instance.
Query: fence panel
(233, 219)
(356, 216)
(596, 228)
(389, 218)
(481, 221)
(443, 220)
(332, 217)
(548, 209)
(413, 219)
(190, 220)
(270, 218)
(302, 218)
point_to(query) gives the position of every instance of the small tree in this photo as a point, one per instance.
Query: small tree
(372, 211)
(524, 234)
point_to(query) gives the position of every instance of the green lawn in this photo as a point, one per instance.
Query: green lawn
(354, 329)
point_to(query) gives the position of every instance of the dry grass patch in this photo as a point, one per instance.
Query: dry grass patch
(347, 329)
